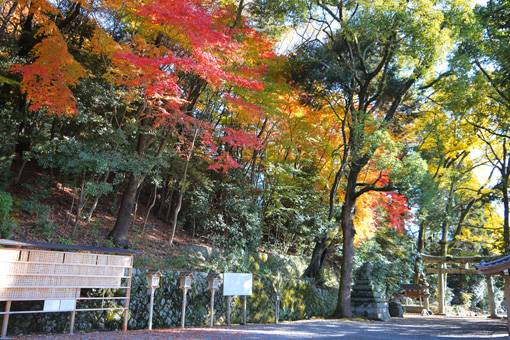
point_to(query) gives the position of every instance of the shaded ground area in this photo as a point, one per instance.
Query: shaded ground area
(410, 327)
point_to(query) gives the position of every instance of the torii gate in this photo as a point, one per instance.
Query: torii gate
(466, 265)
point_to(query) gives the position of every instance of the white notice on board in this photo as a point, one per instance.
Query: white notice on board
(237, 284)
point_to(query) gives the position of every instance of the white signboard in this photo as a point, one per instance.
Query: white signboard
(59, 305)
(237, 284)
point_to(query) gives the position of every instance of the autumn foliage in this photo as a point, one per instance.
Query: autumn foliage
(47, 82)
(194, 79)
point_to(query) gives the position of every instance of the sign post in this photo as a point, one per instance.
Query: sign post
(278, 285)
(237, 284)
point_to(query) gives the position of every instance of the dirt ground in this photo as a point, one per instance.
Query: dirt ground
(410, 327)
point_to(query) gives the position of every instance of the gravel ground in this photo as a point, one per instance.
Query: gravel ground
(410, 327)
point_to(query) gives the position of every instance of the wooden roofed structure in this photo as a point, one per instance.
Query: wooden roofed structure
(501, 267)
(60, 275)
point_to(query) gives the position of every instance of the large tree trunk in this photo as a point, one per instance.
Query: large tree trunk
(323, 246)
(320, 252)
(420, 247)
(119, 233)
(343, 308)
(506, 207)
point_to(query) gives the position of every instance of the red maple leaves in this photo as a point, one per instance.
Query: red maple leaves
(47, 81)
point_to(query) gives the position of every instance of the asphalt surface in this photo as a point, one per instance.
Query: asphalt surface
(410, 327)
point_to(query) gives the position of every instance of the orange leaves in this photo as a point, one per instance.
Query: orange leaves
(365, 218)
(39, 6)
(374, 209)
(103, 45)
(47, 80)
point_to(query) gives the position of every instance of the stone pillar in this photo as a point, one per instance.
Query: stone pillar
(440, 287)
(492, 301)
(426, 301)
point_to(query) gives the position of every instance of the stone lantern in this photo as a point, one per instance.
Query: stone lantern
(185, 284)
(153, 279)
(152, 283)
(213, 280)
(185, 279)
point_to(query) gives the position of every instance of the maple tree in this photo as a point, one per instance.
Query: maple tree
(175, 50)
(172, 81)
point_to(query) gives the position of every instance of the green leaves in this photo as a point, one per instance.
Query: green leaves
(409, 172)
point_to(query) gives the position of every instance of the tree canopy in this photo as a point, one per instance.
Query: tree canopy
(297, 127)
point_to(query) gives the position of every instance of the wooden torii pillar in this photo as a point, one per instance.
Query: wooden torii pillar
(443, 268)
(501, 267)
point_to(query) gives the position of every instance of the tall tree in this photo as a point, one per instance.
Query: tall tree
(362, 64)
(485, 52)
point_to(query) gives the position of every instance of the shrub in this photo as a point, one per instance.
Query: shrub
(7, 224)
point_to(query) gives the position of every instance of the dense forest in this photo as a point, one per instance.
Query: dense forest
(326, 129)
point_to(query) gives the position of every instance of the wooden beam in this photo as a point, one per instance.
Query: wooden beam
(441, 285)
(6, 319)
(451, 259)
(453, 271)
(44, 245)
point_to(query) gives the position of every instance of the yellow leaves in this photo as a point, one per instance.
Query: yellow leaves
(488, 234)
(102, 44)
(364, 219)
(443, 134)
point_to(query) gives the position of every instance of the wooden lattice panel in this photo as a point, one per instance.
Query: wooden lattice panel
(42, 275)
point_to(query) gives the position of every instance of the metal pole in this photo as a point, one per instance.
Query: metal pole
(183, 316)
(6, 319)
(244, 310)
(228, 310)
(212, 307)
(151, 306)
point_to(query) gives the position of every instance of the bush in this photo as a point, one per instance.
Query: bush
(7, 224)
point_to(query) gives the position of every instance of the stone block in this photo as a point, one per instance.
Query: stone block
(395, 309)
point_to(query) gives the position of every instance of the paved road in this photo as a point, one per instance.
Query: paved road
(410, 327)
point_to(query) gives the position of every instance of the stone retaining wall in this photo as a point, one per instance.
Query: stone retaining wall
(299, 300)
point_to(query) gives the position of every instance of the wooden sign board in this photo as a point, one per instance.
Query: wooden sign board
(57, 278)
(237, 284)
(52, 275)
